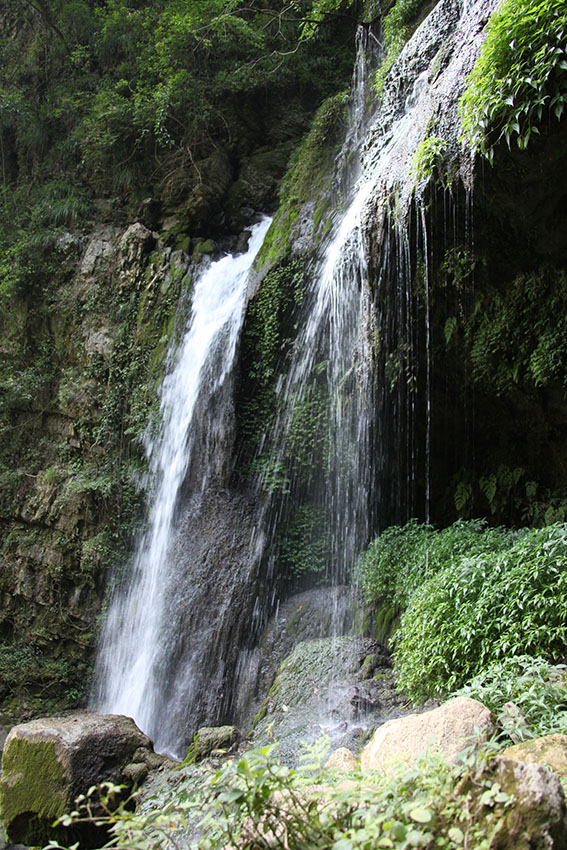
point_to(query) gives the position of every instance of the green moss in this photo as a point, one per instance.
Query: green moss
(267, 333)
(308, 178)
(33, 780)
(319, 213)
(387, 618)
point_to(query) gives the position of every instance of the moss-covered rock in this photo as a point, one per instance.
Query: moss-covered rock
(47, 763)
(536, 816)
(550, 750)
(213, 738)
(318, 689)
(78, 375)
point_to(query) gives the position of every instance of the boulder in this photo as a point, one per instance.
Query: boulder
(210, 739)
(342, 760)
(449, 728)
(536, 816)
(551, 750)
(318, 693)
(48, 762)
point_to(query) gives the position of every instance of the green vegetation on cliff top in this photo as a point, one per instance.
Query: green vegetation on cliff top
(119, 95)
(519, 82)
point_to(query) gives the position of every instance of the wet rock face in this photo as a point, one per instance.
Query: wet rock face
(213, 544)
(63, 480)
(48, 762)
(319, 613)
(328, 686)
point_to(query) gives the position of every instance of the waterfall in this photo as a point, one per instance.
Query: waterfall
(332, 385)
(133, 672)
(349, 447)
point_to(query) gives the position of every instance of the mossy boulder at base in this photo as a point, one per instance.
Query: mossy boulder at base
(449, 728)
(550, 750)
(48, 762)
(536, 816)
(318, 690)
(210, 739)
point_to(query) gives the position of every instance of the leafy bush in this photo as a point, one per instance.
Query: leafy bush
(398, 561)
(535, 686)
(520, 77)
(428, 157)
(484, 608)
(257, 802)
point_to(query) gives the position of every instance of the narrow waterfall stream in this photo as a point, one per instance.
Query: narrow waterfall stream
(140, 628)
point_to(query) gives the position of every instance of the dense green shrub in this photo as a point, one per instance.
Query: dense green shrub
(482, 608)
(399, 561)
(520, 78)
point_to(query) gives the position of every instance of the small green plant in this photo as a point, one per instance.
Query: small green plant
(428, 158)
(536, 687)
(510, 337)
(520, 78)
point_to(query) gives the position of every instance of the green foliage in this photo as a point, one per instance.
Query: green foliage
(511, 338)
(268, 317)
(428, 158)
(307, 178)
(105, 806)
(483, 608)
(303, 545)
(402, 558)
(519, 81)
(89, 90)
(256, 801)
(535, 686)
(25, 669)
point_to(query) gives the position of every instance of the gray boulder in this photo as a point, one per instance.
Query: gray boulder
(449, 728)
(213, 739)
(49, 762)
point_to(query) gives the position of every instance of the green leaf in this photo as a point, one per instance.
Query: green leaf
(421, 815)
(456, 835)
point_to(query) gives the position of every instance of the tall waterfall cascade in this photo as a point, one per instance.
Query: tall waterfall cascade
(137, 634)
(366, 464)
(348, 451)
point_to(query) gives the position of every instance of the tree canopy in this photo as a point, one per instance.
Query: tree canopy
(90, 85)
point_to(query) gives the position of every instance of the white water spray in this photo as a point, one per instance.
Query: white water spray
(137, 624)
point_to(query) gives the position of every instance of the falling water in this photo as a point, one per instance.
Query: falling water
(130, 664)
(334, 361)
(344, 438)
